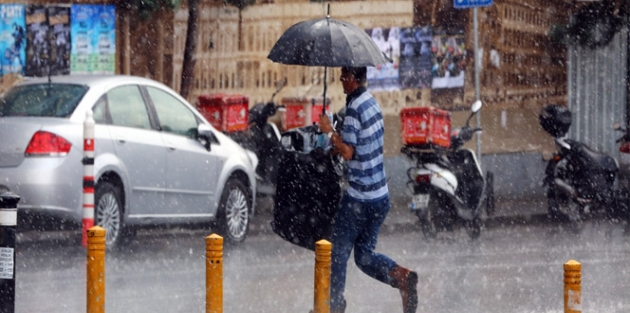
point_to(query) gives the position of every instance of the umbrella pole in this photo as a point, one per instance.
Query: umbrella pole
(325, 85)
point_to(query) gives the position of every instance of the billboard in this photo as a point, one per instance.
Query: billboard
(93, 32)
(12, 39)
(415, 60)
(385, 77)
(448, 60)
(422, 57)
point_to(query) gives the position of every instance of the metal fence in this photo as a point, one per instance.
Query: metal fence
(597, 92)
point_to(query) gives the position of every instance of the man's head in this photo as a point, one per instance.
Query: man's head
(352, 78)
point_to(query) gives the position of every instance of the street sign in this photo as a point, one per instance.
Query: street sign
(465, 4)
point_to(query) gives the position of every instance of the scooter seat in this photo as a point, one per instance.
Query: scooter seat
(605, 162)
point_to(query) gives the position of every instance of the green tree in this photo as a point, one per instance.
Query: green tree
(240, 5)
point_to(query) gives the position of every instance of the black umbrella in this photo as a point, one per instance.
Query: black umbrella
(326, 42)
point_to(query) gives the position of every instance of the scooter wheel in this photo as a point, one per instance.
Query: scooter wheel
(490, 201)
(429, 230)
(475, 228)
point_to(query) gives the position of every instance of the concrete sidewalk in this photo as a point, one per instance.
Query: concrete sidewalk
(401, 219)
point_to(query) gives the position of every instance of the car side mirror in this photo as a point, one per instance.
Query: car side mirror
(204, 134)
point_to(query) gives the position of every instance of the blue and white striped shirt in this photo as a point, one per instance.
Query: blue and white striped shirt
(363, 129)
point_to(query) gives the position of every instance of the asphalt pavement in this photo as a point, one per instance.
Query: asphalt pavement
(399, 219)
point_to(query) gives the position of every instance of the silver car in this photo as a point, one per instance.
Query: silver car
(157, 160)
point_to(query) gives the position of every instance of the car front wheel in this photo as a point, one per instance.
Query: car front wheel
(233, 214)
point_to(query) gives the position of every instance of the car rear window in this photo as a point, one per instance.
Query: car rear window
(46, 100)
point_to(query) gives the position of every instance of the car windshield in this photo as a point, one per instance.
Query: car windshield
(45, 100)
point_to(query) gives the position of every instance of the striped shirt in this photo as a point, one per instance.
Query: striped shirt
(363, 130)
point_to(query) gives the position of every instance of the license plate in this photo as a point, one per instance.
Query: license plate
(420, 201)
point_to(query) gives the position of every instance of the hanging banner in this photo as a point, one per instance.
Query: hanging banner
(415, 58)
(59, 34)
(12, 39)
(48, 40)
(385, 77)
(37, 41)
(93, 33)
(106, 36)
(449, 60)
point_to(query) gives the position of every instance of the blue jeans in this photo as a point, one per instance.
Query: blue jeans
(356, 225)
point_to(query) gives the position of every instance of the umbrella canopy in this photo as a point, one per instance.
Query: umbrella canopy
(326, 42)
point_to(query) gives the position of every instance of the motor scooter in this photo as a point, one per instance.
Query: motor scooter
(580, 181)
(624, 156)
(263, 138)
(624, 171)
(448, 185)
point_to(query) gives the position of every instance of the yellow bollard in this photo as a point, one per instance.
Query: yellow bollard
(572, 287)
(323, 250)
(96, 270)
(214, 274)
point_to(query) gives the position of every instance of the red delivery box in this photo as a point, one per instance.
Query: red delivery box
(227, 113)
(316, 108)
(427, 127)
(297, 112)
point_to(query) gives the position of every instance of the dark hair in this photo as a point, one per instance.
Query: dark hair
(359, 73)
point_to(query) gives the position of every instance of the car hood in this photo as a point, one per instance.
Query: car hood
(235, 149)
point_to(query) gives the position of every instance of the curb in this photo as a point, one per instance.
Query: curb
(260, 226)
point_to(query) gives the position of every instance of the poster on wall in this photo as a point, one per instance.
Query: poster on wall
(48, 40)
(37, 42)
(59, 34)
(385, 77)
(93, 33)
(415, 58)
(12, 39)
(448, 60)
(105, 26)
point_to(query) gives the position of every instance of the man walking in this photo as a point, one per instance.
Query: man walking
(365, 203)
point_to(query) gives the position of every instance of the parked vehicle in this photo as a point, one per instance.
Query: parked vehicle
(624, 172)
(263, 138)
(624, 157)
(448, 185)
(157, 160)
(579, 181)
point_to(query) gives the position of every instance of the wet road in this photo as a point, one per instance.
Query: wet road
(515, 269)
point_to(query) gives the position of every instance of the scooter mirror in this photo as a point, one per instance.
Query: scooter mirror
(476, 106)
(279, 85)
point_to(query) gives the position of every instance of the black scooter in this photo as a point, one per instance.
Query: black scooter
(580, 182)
(263, 138)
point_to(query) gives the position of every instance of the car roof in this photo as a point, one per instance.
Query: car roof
(88, 80)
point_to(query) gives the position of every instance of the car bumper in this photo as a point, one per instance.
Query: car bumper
(47, 185)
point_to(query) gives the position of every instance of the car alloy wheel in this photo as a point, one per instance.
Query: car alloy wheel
(108, 211)
(234, 212)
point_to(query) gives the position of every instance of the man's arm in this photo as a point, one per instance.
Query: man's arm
(342, 148)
